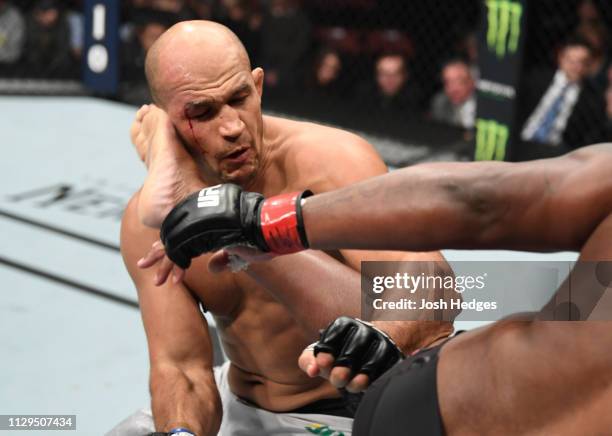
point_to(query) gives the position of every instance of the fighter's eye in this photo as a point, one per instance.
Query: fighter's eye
(236, 101)
(202, 115)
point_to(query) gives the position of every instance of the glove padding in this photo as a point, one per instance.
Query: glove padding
(225, 215)
(359, 346)
(211, 219)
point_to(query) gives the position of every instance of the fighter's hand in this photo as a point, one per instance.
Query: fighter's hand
(219, 262)
(225, 215)
(351, 354)
(172, 172)
(157, 257)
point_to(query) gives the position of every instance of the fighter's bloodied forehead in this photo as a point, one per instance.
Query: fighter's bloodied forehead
(194, 55)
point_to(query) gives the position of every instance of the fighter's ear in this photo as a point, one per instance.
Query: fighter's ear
(258, 78)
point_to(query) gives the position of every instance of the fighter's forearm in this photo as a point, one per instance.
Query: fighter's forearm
(413, 335)
(443, 205)
(185, 398)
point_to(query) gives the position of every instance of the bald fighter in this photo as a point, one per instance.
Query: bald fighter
(516, 376)
(207, 128)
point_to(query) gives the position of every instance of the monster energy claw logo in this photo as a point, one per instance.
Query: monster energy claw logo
(491, 140)
(504, 26)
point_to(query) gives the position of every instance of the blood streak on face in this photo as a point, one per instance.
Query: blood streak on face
(195, 140)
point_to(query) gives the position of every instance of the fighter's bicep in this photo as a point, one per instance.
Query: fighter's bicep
(176, 331)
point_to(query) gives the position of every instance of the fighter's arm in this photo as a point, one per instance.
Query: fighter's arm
(182, 384)
(315, 283)
(543, 205)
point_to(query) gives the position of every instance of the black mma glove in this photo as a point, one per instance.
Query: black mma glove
(224, 215)
(359, 346)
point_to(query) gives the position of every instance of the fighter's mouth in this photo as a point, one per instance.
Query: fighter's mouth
(236, 154)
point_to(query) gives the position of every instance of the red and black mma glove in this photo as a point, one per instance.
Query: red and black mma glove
(224, 215)
(359, 346)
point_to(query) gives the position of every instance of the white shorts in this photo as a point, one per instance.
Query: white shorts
(242, 419)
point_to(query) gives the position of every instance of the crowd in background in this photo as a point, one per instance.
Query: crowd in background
(44, 38)
(386, 59)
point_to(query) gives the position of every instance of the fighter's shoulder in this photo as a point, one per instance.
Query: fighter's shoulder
(331, 140)
(329, 153)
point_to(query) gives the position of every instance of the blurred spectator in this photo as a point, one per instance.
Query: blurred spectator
(178, 8)
(597, 36)
(285, 41)
(467, 48)
(203, 9)
(12, 33)
(588, 13)
(47, 51)
(393, 92)
(148, 26)
(241, 19)
(456, 104)
(325, 81)
(76, 23)
(561, 107)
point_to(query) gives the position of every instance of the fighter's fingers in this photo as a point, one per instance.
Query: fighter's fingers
(340, 376)
(178, 274)
(359, 383)
(325, 362)
(163, 271)
(308, 363)
(155, 254)
(218, 262)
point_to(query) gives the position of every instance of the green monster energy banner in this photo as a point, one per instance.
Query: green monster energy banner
(500, 53)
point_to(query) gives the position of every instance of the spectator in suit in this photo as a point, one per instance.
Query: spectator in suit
(456, 103)
(12, 34)
(562, 108)
(392, 93)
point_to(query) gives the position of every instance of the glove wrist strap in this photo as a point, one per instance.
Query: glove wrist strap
(281, 223)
